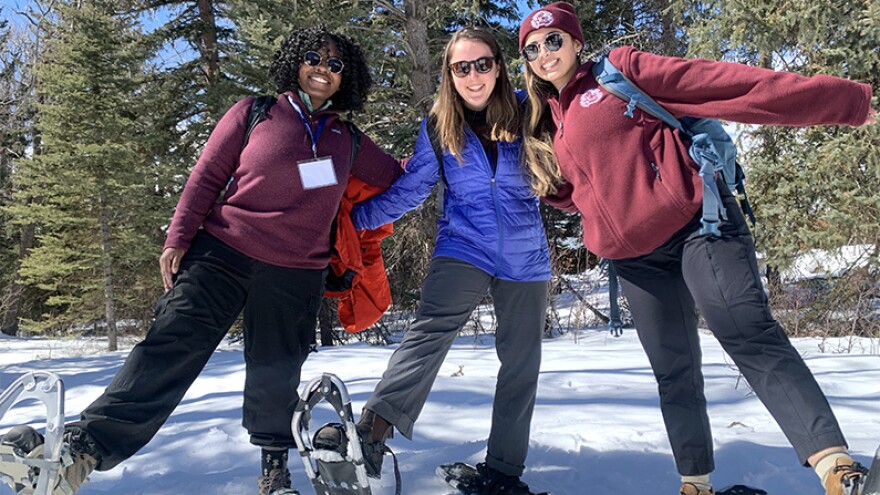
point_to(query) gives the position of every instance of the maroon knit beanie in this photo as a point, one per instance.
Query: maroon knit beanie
(559, 15)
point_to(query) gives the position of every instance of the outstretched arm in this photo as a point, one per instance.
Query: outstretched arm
(408, 191)
(742, 93)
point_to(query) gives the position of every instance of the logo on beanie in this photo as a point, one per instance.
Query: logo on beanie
(542, 18)
(590, 97)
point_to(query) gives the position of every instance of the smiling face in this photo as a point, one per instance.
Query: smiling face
(557, 67)
(318, 82)
(474, 88)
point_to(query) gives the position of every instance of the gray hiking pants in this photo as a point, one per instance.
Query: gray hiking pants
(720, 277)
(450, 292)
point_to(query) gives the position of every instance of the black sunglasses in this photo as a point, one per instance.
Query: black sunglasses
(463, 68)
(313, 59)
(553, 42)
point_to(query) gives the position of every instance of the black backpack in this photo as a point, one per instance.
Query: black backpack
(431, 127)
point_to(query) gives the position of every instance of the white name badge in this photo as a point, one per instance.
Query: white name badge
(317, 172)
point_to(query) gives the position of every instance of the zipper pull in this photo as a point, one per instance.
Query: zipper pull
(656, 170)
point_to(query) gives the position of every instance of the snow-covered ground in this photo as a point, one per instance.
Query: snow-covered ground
(597, 426)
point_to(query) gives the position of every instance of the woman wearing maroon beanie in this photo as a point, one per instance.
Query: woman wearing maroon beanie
(641, 208)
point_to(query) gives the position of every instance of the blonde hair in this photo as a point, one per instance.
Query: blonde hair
(502, 112)
(538, 136)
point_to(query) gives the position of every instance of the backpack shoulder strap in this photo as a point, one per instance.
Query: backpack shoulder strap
(355, 140)
(259, 108)
(612, 80)
(431, 127)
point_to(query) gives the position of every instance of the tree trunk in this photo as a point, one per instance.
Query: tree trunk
(109, 301)
(208, 41)
(416, 25)
(669, 37)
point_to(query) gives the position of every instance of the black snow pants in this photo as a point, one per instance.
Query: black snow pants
(213, 285)
(720, 277)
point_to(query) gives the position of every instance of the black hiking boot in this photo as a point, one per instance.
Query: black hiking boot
(497, 483)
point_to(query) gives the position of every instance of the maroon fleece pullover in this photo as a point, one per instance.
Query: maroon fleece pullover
(266, 213)
(633, 181)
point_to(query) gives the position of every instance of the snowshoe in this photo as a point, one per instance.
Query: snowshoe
(35, 470)
(340, 469)
(466, 478)
(741, 490)
(872, 480)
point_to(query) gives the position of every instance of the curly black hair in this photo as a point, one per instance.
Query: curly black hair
(356, 78)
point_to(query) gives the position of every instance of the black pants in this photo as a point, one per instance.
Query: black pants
(720, 277)
(214, 284)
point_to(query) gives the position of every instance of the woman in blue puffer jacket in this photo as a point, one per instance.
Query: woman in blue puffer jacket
(490, 238)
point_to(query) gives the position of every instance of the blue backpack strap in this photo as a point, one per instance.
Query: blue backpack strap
(615, 324)
(702, 149)
(612, 80)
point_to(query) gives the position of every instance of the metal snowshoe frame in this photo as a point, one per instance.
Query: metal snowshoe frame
(47, 388)
(872, 480)
(347, 477)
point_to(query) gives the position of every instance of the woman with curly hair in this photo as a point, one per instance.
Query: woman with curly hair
(262, 249)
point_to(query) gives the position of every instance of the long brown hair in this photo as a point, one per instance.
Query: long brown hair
(502, 112)
(538, 136)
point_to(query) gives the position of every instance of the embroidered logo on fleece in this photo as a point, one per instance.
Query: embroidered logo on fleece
(590, 97)
(541, 19)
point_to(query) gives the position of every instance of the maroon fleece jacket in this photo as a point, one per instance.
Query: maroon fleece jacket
(629, 209)
(265, 212)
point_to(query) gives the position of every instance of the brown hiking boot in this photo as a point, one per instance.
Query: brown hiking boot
(374, 430)
(83, 452)
(275, 475)
(75, 475)
(275, 480)
(845, 479)
(691, 489)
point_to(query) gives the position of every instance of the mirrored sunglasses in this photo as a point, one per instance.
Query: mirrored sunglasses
(314, 59)
(463, 68)
(553, 42)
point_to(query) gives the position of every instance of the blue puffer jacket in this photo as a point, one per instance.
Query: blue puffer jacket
(490, 221)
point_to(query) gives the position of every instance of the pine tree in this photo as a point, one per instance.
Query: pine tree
(88, 178)
(8, 139)
(18, 142)
(816, 187)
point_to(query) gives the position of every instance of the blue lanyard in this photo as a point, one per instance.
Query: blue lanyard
(313, 134)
